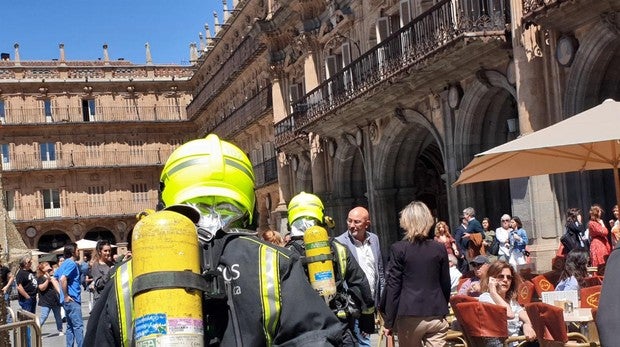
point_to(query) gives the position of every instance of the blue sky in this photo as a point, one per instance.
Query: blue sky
(125, 25)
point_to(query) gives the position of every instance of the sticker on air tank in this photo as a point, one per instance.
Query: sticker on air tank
(184, 326)
(151, 324)
(172, 341)
(323, 275)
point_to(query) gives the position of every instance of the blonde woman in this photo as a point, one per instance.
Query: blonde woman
(417, 282)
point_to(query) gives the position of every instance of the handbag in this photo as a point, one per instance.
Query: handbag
(494, 248)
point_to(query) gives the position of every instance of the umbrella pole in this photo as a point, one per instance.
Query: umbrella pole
(617, 183)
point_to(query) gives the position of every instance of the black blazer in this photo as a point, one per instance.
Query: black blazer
(417, 281)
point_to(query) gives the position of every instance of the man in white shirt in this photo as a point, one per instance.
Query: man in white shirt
(502, 233)
(455, 274)
(365, 248)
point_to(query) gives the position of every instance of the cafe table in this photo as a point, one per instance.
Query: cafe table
(582, 318)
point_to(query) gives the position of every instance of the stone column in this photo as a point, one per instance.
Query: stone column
(385, 224)
(449, 159)
(284, 174)
(317, 160)
(533, 199)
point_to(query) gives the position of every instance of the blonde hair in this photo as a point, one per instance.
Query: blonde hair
(417, 221)
(446, 229)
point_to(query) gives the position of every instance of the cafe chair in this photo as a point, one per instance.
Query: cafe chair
(590, 296)
(460, 284)
(593, 281)
(550, 327)
(525, 293)
(542, 284)
(482, 322)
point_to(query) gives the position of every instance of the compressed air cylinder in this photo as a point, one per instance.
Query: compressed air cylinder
(320, 265)
(166, 242)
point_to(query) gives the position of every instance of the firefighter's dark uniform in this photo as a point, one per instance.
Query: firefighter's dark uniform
(350, 280)
(269, 302)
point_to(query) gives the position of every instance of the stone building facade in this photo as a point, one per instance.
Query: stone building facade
(362, 102)
(384, 101)
(83, 143)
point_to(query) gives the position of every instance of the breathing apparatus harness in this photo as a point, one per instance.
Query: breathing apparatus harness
(213, 235)
(341, 303)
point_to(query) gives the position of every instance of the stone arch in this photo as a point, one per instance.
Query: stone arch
(101, 233)
(413, 137)
(481, 124)
(596, 50)
(593, 77)
(385, 156)
(347, 163)
(303, 175)
(52, 239)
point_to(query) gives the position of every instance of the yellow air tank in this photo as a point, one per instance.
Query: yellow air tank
(166, 278)
(320, 264)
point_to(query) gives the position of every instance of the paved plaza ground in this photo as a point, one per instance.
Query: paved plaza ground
(51, 338)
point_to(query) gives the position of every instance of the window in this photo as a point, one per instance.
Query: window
(9, 202)
(93, 149)
(88, 110)
(383, 31)
(136, 148)
(295, 93)
(2, 117)
(47, 106)
(6, 156)
(96, 196)
(48, 154)
(51, 202)
(139, 192)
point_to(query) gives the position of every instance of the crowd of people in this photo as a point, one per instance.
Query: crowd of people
(211, 182)
(56, 286)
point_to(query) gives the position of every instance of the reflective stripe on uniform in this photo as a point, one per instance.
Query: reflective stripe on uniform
(124, 302)
(342, 259)
(270, 290)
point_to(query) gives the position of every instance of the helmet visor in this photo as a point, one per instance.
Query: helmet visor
(215, 217)
(300, 225)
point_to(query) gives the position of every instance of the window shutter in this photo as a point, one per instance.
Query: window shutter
(405, 12)
(331, 66)
(383, 28)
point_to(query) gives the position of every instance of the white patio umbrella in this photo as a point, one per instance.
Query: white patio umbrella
(83, 245)
(589, 140)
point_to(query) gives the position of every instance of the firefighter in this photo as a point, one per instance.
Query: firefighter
(252, 289)
(353, 299)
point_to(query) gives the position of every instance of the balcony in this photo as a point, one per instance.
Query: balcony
(228, 70)
(37, 115)
(86, 159)
(229, 125)
(450, 41)
(266, 172)
(76, 209)
(566, 15)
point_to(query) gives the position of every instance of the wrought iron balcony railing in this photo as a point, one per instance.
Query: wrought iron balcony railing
(266, 172)
(86, 159)
(126, 205)
(229, 125)
(38, 115)
(440, 26)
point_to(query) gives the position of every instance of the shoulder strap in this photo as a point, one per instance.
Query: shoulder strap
(124, 302)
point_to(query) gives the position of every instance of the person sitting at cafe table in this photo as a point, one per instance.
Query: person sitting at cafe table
(471, 287)
(499, 286)
(575, 270)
